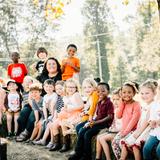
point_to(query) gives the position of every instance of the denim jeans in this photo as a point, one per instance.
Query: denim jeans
(80, 125)
(150, 144)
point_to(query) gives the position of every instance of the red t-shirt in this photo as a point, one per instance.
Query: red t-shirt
(17, 71)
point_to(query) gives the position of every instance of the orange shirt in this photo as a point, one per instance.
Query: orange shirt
(68, 70)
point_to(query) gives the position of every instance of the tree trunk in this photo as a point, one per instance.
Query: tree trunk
(3, 151)
(158, 1)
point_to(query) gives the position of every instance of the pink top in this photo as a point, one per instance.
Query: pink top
(130, 115)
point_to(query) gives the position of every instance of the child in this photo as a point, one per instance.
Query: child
(90, 90)
(59, 87)
(104, 138)
(103, 119)
(153, 142)
(70, 65)
(34, 112)
(70, 114)
(49, 101)
(13, 101)
(42, 55)
(2, 98)
(17, 71)
(129, 111)
(134, 141)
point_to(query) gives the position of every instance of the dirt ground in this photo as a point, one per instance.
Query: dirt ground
(23, 151)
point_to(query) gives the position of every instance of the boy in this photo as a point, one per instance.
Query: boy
(70, 65)
(12, 103)
(42, 56)
(17, 71)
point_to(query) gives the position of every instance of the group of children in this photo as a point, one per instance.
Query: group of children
(43, 112)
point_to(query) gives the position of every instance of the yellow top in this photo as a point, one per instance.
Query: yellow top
(92, 100)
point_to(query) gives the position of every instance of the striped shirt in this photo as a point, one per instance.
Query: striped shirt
(59, 104)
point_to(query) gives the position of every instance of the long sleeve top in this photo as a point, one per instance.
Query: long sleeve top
(130, 115)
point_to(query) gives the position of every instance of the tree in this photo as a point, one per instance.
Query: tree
(96, 14)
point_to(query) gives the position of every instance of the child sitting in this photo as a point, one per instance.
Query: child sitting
(103, 119)
(104, 138)
(12, 103)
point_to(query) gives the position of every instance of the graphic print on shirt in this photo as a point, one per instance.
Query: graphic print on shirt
(13, 101)
(16, 72)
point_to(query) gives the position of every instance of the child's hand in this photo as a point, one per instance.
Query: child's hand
(9, 110)
(35, 123)
(86, 125)
(153, 124)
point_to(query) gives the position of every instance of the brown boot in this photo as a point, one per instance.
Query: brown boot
(66, 143)
(56, 144)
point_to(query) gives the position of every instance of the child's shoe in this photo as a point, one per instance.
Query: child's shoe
(9, 135)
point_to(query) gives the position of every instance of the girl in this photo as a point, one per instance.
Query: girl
(153, 142)
(12, 103)
(70, 114)
(104, 138)
(103, 119)
(134, 141)
(89, 87)
(129, 111)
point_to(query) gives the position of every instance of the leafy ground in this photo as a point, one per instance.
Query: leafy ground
(22, 151)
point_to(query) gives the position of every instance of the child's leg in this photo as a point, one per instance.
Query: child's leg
(105, 146)
(1, 114)
(158, 151)
(9, 122)
(137, 153)
(16, 116)
(116, 146)
(39, 132)
(98, 147)
(35, 132)
(124, 152)
(47, 132)
(148, 146)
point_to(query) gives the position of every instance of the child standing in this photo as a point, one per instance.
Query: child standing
(139, 136)
(70, 65)
(13, 101)
(104, 138)
(42, 55)
(103, 119)
(153, 142)
(129, 111)
(17, 71)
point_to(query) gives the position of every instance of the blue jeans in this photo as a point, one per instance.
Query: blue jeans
(150, 144)
(80, 125)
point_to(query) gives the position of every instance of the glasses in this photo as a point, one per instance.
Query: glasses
(71, 87)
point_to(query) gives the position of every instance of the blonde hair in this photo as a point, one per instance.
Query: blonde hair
(35, 86)
(150, 83)
(71, 80)
(90, 81)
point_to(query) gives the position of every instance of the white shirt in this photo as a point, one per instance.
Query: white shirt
(155, 115)
(13, 101)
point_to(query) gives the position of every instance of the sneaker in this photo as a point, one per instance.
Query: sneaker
(9, 135)
(40, 142)
(49, 145)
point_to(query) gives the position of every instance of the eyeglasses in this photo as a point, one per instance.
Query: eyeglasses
(71, 87)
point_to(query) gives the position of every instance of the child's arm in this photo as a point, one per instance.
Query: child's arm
(36, 114)
(119, 110)
(134, 120)
(52, 105)
(45, 112)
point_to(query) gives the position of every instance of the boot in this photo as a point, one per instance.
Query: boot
(66, 143)
(56, 144)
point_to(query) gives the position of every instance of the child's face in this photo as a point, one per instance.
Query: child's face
(147, 94)
(70, 88)
(127, 93)
(12, 86)
(59, 89)
(27, 83)
(35, 94)
(115, 100)
(102, 92)
(48, 88)
(71, 51)
(51, 66)
(15, 57)
(88, 89)
(42, 55)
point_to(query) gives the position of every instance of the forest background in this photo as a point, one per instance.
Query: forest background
(107, 50)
